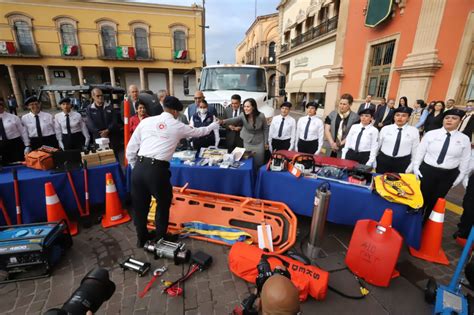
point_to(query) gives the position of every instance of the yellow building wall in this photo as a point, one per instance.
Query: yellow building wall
(158, 17)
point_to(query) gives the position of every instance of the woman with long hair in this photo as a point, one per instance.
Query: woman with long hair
(254, 131)
(418, 108)
(403, 101)
(435, 118)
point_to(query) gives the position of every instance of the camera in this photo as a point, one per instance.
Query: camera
(265, 271)
(95, 289)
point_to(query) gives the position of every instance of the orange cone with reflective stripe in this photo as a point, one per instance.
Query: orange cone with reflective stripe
(432, 236)
(114, 214)
(55, 210)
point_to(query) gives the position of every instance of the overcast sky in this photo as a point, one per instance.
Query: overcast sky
(228, 21)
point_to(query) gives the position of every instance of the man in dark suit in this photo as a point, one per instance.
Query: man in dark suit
(384, 114)
(232, 135)
(368, 104)
(467, 122)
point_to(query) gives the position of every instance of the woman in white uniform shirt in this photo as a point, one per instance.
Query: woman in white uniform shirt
(310, 131)
(281, 135)
(13, 137)
(71, 130)
(442, 160)
(361, 142)
(39, 125)
(397, 144)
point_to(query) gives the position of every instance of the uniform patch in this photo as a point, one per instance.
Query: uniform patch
(161, 126)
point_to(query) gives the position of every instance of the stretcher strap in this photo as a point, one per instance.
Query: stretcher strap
(216, 232)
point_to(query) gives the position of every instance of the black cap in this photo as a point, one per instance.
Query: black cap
(314, 104)
(367, 111)
(454, 111)
(65, 100)
(286, 104)
(31, 99)
(173, 103)
(403, 109)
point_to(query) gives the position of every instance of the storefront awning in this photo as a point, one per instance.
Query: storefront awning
(315, 85)
(294, 86)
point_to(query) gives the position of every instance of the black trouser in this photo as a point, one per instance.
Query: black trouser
(37, 142)
(151, 178)
(467, 217)
(435, 183)
(359, 157)
(12, 110)
(204, 142)
(233, 140)
(281, 144)
(75, 141)
(12, 150)
(388, 164)
(308, 146)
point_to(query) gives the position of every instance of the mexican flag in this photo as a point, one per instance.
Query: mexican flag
(69, 50)
(7, 48)
(180, 54)
(125, 52)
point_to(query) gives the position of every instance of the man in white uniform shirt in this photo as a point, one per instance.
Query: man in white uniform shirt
(310, 131)
(282, 133)
(149, 151)
(39, 125)
(398, 144)
(442, 160)
(361, 142)
(13, 137)
(71, 130)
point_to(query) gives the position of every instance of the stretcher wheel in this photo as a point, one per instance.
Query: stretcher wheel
(430, 291)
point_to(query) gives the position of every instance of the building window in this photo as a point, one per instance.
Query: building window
(108, 41)
(179, 40)
(68, 34)
(379, 68)
(141, 42)
(24, 37)
(271, 52)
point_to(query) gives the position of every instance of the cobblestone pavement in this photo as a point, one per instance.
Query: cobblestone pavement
(217, 290)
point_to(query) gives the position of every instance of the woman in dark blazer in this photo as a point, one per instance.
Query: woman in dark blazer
(435, 118)
(254, 131)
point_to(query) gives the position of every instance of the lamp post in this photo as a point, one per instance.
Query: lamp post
(204, 26)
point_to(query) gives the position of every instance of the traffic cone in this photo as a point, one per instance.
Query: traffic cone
(430, 248)
(385, 223)
(114, 214)
(55, 210)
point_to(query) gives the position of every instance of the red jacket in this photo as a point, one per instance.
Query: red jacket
(134, 121)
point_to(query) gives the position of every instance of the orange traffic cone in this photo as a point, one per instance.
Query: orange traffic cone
(385, 223)
(114, 214)
(55, 210)
(430, 248)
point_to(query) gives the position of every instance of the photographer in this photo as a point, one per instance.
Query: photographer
(279, 296)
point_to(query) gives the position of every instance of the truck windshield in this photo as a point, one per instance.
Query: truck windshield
(243, 79)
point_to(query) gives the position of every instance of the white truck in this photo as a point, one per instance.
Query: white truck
(220, 82)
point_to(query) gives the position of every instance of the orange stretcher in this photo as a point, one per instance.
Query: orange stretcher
(233, 211)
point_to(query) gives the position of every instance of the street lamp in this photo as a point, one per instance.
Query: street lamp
(204, 26)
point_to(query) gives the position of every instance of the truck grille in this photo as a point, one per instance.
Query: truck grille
(220, 110)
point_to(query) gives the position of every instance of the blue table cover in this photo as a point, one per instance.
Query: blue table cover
(347, 205)
(32, 194)
(232, 181)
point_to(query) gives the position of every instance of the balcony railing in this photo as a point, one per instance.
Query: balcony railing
(314, 33)
(180, 56)
(267, 60)
(70, 51)
(123, 53)
(12, 49)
